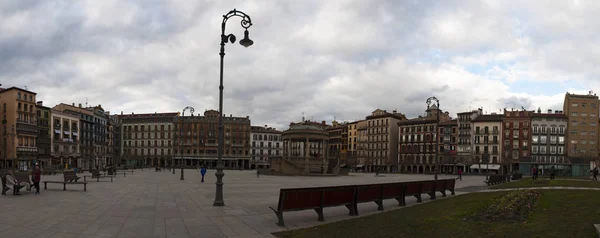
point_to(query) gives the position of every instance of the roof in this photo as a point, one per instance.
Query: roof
(262, 129)
(488, 118)
(305, 127)
(417, 121)
(453, 122)
(550, 115)
(162, 114)
(16, 88)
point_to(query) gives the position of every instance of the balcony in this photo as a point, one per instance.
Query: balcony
(211, 144)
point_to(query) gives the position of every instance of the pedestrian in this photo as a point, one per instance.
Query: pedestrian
(595, 174)
(459, 175)
(37, 175)
(203, 172)
(552, 172)
(534, 173)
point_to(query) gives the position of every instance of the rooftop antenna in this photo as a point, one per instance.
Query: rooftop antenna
(302, 116)
(86, 102)
(28, 89)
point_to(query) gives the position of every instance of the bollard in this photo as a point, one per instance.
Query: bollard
(181, 174)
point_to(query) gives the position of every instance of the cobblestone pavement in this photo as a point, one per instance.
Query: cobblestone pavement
(158, 204)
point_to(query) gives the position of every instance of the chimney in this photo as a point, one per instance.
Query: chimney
(73, 104)
(40, 103)
(230, 115)
(80, 105)
(549, 111)
(394, 111)
(555, 111)
(121, 113)
(324, 122)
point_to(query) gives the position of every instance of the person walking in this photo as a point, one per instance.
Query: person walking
(203, 172)
(534, 173)
(37, 175)
(552, 172)
(459, 175)
(595, 172)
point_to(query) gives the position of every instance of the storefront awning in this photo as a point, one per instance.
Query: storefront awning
(486, 166)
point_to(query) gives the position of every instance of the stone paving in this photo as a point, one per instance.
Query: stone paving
(158, 204)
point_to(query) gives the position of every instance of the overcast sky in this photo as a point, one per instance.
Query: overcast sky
(337, 58)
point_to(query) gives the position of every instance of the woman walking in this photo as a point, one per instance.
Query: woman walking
(37, 175)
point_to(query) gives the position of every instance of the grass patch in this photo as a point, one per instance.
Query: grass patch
(514, 206)
(529, 183)
(558, 213)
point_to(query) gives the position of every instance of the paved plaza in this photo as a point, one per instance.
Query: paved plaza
(159, 204)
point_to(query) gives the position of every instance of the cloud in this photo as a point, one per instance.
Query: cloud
(326, 59)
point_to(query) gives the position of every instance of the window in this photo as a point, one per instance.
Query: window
(534, 149)
(542, 149)
(543, 139)
(583, 142)
(592, 142)
(583, 133)
(574, 114)
(574, 104)
(561, 150)
(552, 149)
(583, 114)
(534, 139)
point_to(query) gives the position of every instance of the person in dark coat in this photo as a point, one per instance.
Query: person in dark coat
(552, 172)
(37, 176)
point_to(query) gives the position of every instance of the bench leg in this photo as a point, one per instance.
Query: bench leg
(379, 205)
(401, 201)
(320, 213)
(279, 218)
(432, 195)
(98, 179)
(84, 178)
(451, 191)
(350, 209)
(418, 196)
(111, 179)
(444, 193)
(45, 186)
(85, 187)
(64, 186)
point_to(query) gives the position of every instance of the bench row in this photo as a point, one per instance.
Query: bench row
(317, 198)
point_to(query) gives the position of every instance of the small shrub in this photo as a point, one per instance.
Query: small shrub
(515, 206)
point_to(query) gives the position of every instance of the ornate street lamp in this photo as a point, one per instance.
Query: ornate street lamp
(181, 139)
(246, 42)
(437, 131)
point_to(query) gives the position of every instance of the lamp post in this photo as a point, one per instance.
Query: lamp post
(181, 139)
(437, 130)
(246, 42)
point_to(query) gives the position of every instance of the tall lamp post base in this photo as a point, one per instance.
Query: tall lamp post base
(219, 195)
(181, 174)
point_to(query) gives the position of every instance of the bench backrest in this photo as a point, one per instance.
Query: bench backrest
(427, 186)
(95, 172)
(336, 196)
(3, 172)
(392, 190)
(22, 177)
(367, 193)
(413, 188)
(450, 183)
(69, 175)
(299, 199)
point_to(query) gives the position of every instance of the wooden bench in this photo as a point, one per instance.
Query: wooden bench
(495, 179)
(24, 177)
(157, 169)
(296, 199)
(96, 174)
(70, 177)
(48, 171)
(3, 173)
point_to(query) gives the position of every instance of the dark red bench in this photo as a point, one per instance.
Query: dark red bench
(297, 199)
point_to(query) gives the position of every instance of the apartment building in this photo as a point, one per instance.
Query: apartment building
(582, 111)
(44, 138)
(361, 144)
(351, 144)
(417, 144)
(19, 127)
(86, 133)
(266, 143)
(517, 135)
(99, 134)
(382, 140)
(487, 144)
(448, 143)
(548, 143)
(147, 139)
(115, 122)
(337, 142)
(65, 139)
(464, 153)
(198, 143)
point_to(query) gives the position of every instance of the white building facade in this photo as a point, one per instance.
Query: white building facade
(265, 143)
